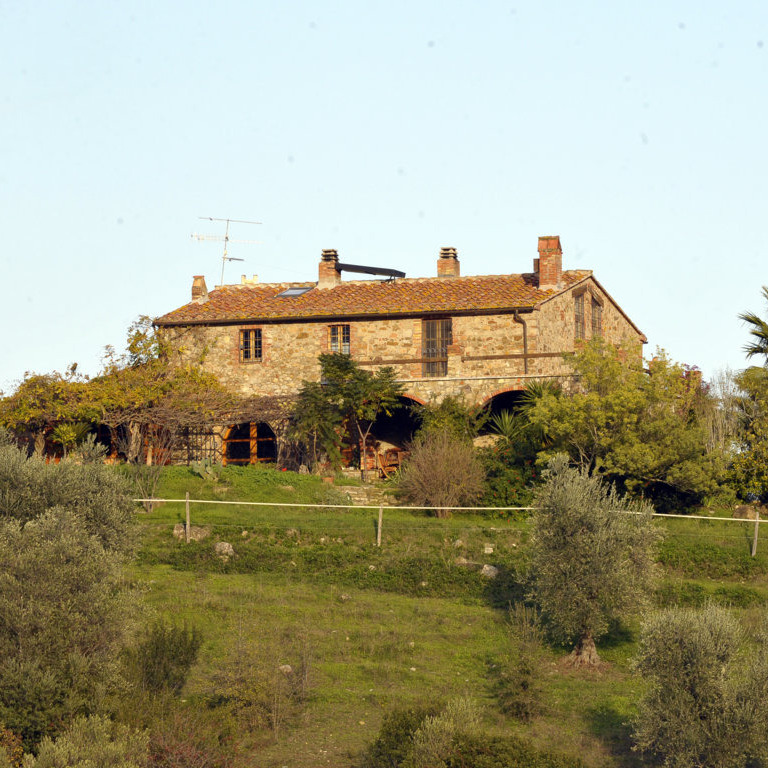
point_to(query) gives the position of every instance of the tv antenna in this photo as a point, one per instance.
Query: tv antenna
(225, 239)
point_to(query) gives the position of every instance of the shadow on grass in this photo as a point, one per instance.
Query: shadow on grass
(618, 634)
(612, 727)
(506, 589)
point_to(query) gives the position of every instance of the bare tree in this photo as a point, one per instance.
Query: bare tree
(442, 471)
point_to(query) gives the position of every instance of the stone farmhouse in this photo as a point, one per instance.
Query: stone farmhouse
(480, 337)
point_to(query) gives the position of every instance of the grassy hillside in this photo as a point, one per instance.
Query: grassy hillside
(365, 629)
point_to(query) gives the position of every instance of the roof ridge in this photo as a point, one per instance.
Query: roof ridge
(260, 302)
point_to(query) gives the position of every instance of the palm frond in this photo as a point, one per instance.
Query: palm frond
(758, 331)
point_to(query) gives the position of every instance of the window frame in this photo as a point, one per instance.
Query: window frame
(579, 316)
(251, 345)
(597, 312)
(339, 345)
(434, 363)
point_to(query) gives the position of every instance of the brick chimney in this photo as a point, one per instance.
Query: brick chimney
(448, 263)
(329, 275)
(549, 265)
(199, 289)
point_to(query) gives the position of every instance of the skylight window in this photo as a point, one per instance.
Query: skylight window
(294, 291)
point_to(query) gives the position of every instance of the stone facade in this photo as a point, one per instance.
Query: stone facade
(505, 330)
(487, 355)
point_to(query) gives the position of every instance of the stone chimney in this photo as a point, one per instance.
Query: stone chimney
(448, 263)
(549, 265)
(199, 289)
(329, 275)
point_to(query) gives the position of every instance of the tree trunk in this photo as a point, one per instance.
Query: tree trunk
(134, 443)
(364, 452)
(39, 444)
(585, 653)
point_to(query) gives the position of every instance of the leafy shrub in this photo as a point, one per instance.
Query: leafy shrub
(33, 699)
(453, 415)
(63, 607)
(265, 686)
(162, 660)
(515, 676)
(90, 451)
(702, 705)
(93, 741)
(6, 438)
(10, 748)
(509, 752)
(433, 741)
(94, 493)
(508, 479)
(449, 737)
(395, 738)
(207, 470)
(516, 684)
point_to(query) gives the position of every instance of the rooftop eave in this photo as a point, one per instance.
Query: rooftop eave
(335, 317)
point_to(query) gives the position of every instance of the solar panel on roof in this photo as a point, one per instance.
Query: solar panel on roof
(294, 291)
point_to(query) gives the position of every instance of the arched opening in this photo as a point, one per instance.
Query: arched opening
(391, 435)
(398, 428)
(509, 400)
(249, 443)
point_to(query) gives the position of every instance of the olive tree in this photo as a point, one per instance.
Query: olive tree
(705, 701)
(93, 493)
(62, 623)
(63, 600)
(591, 557)
(93, 741)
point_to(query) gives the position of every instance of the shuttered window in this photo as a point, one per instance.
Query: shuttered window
(578, 316)
(597, 318)
(436, 337)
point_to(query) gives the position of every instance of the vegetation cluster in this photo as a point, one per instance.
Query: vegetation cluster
(659, 433)
(188, 660)
(122, 645)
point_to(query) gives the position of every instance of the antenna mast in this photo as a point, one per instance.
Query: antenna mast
(225, 257)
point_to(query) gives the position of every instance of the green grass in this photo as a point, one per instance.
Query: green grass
(376, 628)
(712, 549)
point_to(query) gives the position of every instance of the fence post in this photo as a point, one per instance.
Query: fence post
(757, 525)
(187, 526)
(378, 527)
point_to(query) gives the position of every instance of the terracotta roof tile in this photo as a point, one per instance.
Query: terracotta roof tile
(361, 298)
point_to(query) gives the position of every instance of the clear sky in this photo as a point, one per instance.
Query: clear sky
(635, 131)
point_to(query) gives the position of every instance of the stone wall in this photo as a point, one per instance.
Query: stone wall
(557, 325)
(486, 356)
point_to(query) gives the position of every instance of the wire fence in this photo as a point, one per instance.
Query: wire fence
(436, 511)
